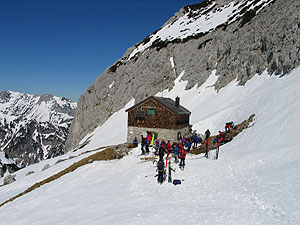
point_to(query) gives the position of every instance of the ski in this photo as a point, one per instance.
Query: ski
(217, 150)
(148, 158)
(170, 173)
(167, 161)
(152, 175)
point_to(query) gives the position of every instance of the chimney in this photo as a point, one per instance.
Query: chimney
(177, 101)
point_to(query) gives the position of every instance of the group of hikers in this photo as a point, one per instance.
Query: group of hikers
(161, 148)
(177, 150)
(148, 141)
(221, 138)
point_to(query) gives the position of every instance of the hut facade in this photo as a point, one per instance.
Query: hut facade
(163, 117)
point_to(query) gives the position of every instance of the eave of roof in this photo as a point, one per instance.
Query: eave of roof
(166, 102)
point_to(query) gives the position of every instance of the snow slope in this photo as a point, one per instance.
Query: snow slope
(255, 181)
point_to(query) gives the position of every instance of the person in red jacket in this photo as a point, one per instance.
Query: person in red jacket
(169, 146)
(168, 150)
(220, 137)
(206, 147)
(182, 154)
(149, 138)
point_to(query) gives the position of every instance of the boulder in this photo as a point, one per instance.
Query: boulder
(9, 179)
(47, 166)
(30, 172)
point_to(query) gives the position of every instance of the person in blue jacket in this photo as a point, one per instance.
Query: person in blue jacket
(195, 140)
(135, 142)
(175, 151)
(188, 145)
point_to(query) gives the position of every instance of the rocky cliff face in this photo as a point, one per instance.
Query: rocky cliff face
(237, 38)
(32, 127)
(7, 164)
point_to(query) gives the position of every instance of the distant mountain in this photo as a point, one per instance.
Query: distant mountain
(32, 127)
(235, 38)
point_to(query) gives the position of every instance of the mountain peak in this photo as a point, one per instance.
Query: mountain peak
(34, 127)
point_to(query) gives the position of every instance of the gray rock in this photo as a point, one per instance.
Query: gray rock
(47, 166)
(270, 40)
(90, 160)
(9, 179)
(30, 172)
(1, 172)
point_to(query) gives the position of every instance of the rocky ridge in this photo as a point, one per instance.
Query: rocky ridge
(6, 164)
(238, 39)
(32, 127)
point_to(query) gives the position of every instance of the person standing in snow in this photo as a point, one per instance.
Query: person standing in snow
(147, 146)
(200, 139)
(227, 128)
(149, 138)
(195, 140)
(183, 140)
(168, 151)
(161, 171)
(175, 151)
(182, 154)
(220, 137)
(188, 145)
(161, 153)
(206, 147)
(207, 135)
(135, 142)
(169, 146)
(156, 146)
(163, 143)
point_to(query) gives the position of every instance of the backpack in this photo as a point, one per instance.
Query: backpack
(176, 150)
(161, 151)
(176, 181)
(228, 138)
(160, 165)
(182, 154)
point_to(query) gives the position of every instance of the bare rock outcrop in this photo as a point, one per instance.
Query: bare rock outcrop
(256, 36)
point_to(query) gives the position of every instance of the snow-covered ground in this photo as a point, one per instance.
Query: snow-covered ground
(256, 179)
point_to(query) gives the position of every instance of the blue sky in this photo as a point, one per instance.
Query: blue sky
(61, 46)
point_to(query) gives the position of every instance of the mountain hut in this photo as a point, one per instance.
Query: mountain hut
(163, 117)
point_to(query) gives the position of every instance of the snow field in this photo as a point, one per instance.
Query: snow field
(254, 181)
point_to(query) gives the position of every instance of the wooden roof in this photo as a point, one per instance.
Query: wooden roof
(166, 102)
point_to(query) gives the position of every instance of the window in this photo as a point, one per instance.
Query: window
(140, 115)
(151, 112)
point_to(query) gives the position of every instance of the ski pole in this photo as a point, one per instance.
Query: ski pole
(150, 175)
